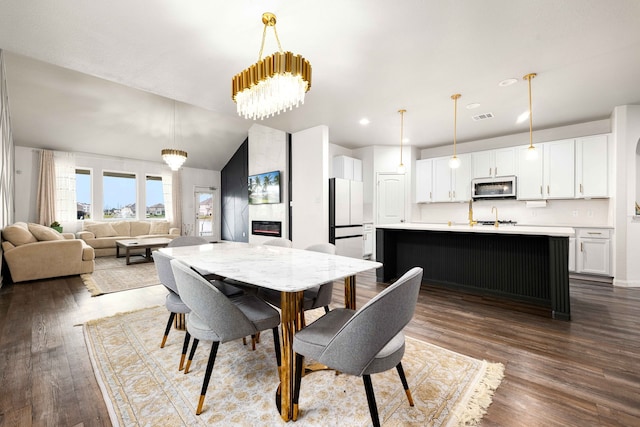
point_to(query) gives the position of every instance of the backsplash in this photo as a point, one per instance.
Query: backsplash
(594, 212)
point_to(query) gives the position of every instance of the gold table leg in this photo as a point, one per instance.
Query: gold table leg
(292, 315)
(180, 323)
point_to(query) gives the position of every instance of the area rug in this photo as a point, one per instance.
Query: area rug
(111, 274)
(142, 386)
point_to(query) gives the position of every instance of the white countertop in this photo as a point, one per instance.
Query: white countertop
(502, 229)
(273, 267)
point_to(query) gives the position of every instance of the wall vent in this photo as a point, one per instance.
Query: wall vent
(483, 116)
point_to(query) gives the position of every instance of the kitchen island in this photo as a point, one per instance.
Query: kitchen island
(525, 264)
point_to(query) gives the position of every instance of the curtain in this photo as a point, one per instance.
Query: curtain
(166, 194)
(176, 199)
(66, 205)
(46, 204)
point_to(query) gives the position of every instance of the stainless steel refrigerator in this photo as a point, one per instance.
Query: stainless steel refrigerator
(345, 216)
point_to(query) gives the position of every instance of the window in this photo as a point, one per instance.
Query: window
(154, 197)
(119, 195)
(83, 193)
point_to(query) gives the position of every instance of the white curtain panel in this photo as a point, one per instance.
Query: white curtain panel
(176, 199)
(166, 194)
(65, 195)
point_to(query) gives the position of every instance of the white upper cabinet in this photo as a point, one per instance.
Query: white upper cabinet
(346, 167)
(530, 174)
(559, 169)
(493, 163)
(424, 181)
(592, 166)
(451, 185)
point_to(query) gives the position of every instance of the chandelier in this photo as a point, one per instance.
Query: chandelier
(172, 156)
(532, 154)
(272, 85)
(454, 162)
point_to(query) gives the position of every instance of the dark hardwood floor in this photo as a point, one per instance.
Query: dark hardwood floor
(585, 372)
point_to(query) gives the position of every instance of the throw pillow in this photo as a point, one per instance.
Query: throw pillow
(18, 234)
(159, 227)
(43, 233)
(102, 229)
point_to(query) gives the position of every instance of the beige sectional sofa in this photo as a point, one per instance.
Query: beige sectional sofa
(33, 251)
(102, 235)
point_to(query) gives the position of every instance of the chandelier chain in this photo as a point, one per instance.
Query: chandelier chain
(264, 36)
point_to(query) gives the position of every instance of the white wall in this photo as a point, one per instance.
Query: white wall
(27, 166)
(268, 152)
(626, 134)
(310, 186)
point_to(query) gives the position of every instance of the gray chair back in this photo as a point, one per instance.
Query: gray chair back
(325, 248)
(187, 241)
(374, 325)
(165, 273)
(324, 292)
(210, 305)
(284, 243)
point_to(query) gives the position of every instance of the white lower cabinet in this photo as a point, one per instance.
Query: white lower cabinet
(572, 254)
(367, 240)
(593, 251)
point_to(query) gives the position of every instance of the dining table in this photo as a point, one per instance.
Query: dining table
(287, 270)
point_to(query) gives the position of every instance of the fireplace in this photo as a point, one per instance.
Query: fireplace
(266, 228)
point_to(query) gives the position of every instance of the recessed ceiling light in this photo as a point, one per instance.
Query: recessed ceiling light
(507, 82)
(472, 105)
(364, 121)
(522, 117)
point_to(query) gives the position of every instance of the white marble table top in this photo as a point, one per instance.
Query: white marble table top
(281, 269)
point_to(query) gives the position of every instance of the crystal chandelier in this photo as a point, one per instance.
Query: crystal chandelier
(454, 162)
(172, 156)
(272, 85)
(532, 154)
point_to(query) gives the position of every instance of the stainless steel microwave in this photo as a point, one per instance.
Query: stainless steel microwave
(503, 187)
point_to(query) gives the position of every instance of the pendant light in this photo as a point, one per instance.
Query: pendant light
(401, 168)
(172, 156)
(454, 162)
(532, 153)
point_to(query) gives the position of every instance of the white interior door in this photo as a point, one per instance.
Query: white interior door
(390, 202)
(205, 212)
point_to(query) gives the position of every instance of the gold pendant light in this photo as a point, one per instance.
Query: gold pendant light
(172, 156)
(401, 168)
(454, 162)
(532, 153)
(272, 85)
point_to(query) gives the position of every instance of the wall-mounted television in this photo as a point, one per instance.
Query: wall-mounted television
(264, 188)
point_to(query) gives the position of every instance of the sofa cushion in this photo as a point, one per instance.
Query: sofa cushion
(43, 233)
(139, 228)
(18, 234)
(159, 227)
(122, 228)
(102, 229)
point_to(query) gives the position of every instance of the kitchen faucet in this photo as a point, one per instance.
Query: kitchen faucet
(471, 221)
(495, 224)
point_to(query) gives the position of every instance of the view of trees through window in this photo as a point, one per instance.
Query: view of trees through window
(119, 195)
(155, 197)
(83, 193)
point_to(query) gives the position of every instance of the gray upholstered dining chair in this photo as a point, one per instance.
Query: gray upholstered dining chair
(219, 319)
(173, 302)
(362, 342)
(318, 296)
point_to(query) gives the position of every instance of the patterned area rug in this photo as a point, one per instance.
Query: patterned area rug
(142, 386)
(111, 274)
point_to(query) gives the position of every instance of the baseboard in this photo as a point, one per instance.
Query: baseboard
(591, 278)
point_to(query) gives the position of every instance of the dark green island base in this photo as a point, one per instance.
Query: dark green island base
(526, 268)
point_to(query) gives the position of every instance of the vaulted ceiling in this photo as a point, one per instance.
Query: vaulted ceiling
(102, 77)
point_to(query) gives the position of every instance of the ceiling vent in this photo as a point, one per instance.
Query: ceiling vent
(483, 116)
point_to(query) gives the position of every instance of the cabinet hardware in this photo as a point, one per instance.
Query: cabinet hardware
(489, 171)
(548, 192)
(581, 189)
(581, 247)
(430, 196)
(593, 232)
(454, 194)
(496, 171)
(449, 194)
(541, 193)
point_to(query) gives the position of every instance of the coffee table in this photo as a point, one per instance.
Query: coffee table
(146, 244)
